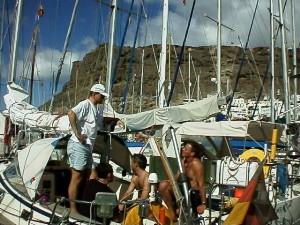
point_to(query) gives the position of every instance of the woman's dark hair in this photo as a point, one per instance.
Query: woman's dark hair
(103, 169)
(140, 159)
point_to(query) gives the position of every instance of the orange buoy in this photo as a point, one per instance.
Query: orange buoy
(238, 192)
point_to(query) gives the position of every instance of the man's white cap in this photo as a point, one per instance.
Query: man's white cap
(99, 88)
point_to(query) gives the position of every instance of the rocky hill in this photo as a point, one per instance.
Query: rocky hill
(202, 62)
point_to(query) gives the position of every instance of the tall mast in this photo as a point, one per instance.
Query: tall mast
(163, 56)
(189, 81)
(111, 47)
(294, 61)
(1, 44)
(33, 63)
(142, 81)
(219, 44)
(284, 65)
(14, 53)
(40, 13)
(272, 62)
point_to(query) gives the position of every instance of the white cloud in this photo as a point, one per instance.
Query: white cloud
(236, 14)
(203, 31)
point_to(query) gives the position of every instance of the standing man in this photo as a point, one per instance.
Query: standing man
(139, 179)
(194, 172)
(84, 120)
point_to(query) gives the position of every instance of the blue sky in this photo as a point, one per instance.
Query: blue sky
(91, 28)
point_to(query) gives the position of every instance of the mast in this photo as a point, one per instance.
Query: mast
(163, 56)
(189, 81)
(1, 44)
(142, 81)
(33, 63)
(36, 29)
(284, 65)
(111, 47)
(219, 44)
(14, 53)
(272, 62)
(294, 61)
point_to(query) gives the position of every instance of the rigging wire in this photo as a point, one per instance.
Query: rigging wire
(180, 56)
(266, 73)
(113, 77)
(7, 31)
(242, 61)
(123, 104)
(104, 36)
(176, 56)
(151, 38)
(52, 52)
(64, 54)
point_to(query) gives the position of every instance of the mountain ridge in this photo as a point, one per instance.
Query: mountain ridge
(202, 60)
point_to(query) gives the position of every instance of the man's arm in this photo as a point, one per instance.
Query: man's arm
(129, 189)
(127, 192)
(73, 119)
(73, 124)
(199, 176)
(146, 189)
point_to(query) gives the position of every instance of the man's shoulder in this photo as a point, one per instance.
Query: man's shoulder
(196, 162)
(80, 105)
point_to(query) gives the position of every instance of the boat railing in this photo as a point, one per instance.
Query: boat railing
(105, 202)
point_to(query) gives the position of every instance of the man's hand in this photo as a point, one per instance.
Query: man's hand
(201, 208)
(82, 138)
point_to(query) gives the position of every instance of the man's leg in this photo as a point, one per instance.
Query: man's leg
(166, 193)
(76, 179)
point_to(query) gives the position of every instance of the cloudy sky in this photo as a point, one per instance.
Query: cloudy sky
(91, 28)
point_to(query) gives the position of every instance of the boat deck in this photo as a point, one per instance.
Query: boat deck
(5, 221)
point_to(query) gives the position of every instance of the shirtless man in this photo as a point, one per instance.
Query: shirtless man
(193, 169)
(139, 179)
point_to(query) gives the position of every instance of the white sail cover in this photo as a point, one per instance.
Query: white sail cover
(257, 130)
(22, 113)
(33, 160)
(195, 111)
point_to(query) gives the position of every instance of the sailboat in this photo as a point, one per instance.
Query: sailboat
(34, 175)
(40, 197)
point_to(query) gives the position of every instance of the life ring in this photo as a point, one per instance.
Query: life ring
(255, 154)
(133, 218)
